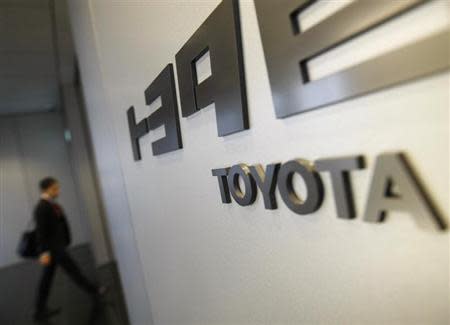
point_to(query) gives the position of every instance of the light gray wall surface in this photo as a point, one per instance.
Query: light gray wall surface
(32, 147)
(79, 147)
(209, 263)
(82, 167)
(108, 165)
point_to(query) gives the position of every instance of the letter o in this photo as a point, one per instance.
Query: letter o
(249, 195)
(313, 183)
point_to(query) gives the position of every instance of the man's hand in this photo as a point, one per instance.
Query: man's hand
(45, 258)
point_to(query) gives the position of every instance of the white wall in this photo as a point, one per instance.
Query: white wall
(31, 148)
(209, 263)
(108, 165)
(80, 156)
(81, 164)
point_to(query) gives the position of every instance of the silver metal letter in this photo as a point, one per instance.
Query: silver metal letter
(339, 169)
(288, 50)
(267, 183)
(313, 183)
(395, 187)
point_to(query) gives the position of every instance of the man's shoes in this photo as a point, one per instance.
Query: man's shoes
(46, 314)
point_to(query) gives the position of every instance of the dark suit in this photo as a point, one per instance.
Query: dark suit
(54, 236)
(53, 232)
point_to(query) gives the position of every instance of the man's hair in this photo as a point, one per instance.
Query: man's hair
(46, 183)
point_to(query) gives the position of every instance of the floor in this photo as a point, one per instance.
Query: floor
(17, 291)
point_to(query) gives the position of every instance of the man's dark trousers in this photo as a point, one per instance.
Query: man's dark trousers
(63, 259)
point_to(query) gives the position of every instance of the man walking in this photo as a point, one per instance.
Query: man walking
(53, 234)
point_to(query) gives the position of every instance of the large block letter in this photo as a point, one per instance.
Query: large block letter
(288, 49)
(167, 114)
(313, 182)
(221, 174)
(220, 35)
(339, 169)
(396, 187)
(267, 183)
(137, 131)
(244, 196)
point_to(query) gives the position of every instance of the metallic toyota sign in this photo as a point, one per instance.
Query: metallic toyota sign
(288, 50)
(391, 170)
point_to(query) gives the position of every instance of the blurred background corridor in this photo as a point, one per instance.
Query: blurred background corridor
(43, 131)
